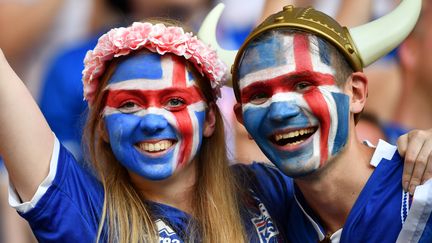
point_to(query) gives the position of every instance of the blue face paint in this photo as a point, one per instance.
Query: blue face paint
(154, 117)
(292, 106)
(263, 123)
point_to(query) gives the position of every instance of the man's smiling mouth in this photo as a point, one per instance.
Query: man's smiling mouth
(292, 137)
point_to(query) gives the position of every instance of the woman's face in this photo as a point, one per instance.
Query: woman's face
(154, 115)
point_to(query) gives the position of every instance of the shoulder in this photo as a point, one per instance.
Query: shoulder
(260, 171)
(73, 197)
(265, 180)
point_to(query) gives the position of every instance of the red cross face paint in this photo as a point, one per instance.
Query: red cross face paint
(154, 115)
(291, 104)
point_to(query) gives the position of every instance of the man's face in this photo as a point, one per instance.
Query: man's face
(154, 115)
(290, 102)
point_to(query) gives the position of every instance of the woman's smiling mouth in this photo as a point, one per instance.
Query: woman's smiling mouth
(155, 147)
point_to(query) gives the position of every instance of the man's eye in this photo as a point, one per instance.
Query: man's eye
(303, 86)
(175, 103)
(129, 107)
(259, 98)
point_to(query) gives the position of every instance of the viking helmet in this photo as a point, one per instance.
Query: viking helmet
(361, 45)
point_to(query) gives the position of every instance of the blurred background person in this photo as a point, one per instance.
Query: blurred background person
(32, 31)
(415, 56)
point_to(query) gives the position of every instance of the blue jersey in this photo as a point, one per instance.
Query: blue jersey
(382, 213)
(393, 131)
(70, 209)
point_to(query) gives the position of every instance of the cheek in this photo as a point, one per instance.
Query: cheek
(318, 105)
(120, 127)
(342, 106)
(252, 118)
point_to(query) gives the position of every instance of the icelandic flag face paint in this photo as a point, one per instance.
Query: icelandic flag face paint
(154, 115)
(291, 104)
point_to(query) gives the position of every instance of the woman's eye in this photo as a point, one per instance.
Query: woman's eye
(303, 86)
(259, 98)
(129, 107)
(175, 103)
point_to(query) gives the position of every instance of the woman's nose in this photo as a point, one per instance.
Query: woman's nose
(153, 123)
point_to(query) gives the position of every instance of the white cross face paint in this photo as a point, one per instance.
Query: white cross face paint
(154, 115)
(291, 104)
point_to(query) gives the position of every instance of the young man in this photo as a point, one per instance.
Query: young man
(300, 88)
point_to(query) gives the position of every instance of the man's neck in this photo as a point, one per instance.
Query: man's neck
(332, 192)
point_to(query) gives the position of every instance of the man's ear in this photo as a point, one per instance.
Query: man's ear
(238, 112)
(210, 121)
(357, 88)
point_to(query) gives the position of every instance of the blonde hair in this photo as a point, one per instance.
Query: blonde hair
(126, 217)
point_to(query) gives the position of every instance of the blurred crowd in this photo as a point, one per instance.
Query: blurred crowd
(46, 41)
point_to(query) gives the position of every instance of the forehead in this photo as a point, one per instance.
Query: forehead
(147, 67)
(295, 51)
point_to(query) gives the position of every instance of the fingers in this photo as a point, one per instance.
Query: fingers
(410, 146)
(421, 165)
(402, 143)
(428, 172)
(416, 146)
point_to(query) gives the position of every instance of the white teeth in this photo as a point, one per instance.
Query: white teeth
(295, 143)
(294, 134)
(155, 147)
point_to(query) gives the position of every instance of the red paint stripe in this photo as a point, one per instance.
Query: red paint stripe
(184, 125)
(319, 107)
(179, 72)
(302, 55)
(155, 98)
(285, 83)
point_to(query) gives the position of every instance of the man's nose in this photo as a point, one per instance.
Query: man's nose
(153, 123)
(280, 111)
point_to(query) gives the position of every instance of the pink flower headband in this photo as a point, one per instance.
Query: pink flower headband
(156, 38)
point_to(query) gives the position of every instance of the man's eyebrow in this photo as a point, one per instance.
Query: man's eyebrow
(301, 75)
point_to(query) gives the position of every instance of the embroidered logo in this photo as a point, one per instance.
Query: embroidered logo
(264, 225)
(166, 234)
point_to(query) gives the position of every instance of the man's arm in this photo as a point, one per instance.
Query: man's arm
(26, 139)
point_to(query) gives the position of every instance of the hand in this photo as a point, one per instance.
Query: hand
(416, 147)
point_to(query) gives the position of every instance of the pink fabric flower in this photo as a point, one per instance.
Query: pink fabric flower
(156, 38)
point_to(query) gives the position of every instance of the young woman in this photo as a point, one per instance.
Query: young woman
(155, 140)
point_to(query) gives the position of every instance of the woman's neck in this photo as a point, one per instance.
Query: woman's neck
(175, 191)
